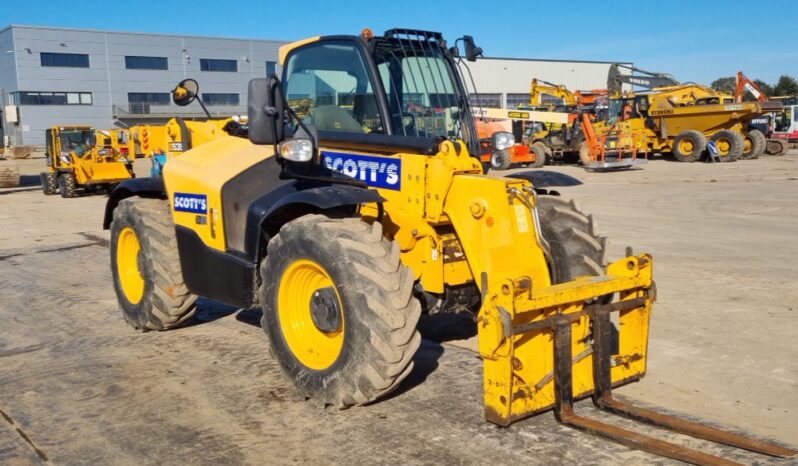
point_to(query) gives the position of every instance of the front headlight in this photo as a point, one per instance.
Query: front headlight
(502, 140)
(297, 150)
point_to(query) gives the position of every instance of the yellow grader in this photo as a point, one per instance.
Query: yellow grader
(76, 161)
(339, 234)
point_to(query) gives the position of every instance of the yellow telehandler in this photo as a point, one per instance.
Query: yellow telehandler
(340, 224)
(75, 161)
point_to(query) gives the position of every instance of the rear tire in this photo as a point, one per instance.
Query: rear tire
(689, 145)
(730, 145)
(755, 142)
(500, 160)
(49, 183)
(541, 154)
(67, 185)
(576, 248)
(163, 301)
(376, 319)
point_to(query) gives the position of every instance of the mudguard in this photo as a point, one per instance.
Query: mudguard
(267, 212)
(143, 187)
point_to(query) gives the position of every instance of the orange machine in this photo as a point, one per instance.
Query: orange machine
(503, 159)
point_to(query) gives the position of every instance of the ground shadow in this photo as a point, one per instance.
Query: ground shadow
(209, 310)
(30, 180)
(447, 327)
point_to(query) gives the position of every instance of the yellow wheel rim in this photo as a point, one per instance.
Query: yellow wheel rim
(723, 145)
(748, 144)
(298, 286)
(686, 146)
(127, 264)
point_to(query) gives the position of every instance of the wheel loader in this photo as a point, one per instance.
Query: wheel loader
(75, 161)
(344, 225)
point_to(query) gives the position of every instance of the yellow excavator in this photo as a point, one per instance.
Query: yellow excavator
(344, 225)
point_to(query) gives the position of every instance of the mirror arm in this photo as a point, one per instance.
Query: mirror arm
(202, 104)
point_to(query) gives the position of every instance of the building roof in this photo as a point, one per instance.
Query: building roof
(111, 31)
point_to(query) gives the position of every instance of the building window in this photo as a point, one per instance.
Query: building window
(146, 63)
(140, 102)
(212, 64)
(271, 68)
(514, 100)
(220, 99)
(69, 60)
(486, 100)
(52, 98)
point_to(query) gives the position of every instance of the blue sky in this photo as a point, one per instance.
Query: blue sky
(697, 40)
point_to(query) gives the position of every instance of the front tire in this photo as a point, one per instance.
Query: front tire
(67, 185)
(146, 268)
(500, 160)
(339, 310)
(689, 145)
(576, 249)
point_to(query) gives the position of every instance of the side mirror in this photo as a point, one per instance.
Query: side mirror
(265, 111)
(471, 49)
(185, 92)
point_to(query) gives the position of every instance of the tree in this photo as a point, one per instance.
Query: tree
(787, 85)
(727, 84)
(765, 87)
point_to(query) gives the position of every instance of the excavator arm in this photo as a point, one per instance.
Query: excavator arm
(650, 80)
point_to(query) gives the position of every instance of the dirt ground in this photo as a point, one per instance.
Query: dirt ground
(78, 386)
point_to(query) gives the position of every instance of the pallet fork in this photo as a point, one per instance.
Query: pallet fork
(603, 399)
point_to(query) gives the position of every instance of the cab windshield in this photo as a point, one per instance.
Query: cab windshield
(420, 87)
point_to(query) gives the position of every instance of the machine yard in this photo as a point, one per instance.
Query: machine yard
(78, 386)
(339, 250)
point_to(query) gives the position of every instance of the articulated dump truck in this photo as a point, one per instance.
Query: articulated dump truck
(346, 223)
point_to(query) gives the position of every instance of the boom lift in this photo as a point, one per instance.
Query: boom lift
(341, 223)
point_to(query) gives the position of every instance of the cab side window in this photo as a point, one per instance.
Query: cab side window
(329, 87)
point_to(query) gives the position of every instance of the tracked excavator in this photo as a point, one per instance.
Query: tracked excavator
(344, 225)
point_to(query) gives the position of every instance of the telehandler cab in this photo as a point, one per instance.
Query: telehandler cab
(339, 224)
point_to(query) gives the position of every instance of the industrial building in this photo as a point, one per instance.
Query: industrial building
(51, 76)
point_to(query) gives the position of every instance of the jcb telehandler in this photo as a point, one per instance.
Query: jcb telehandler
(339, 224)
(75, 161)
